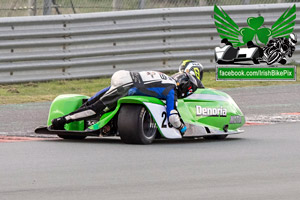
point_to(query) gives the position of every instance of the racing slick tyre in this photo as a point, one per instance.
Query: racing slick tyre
(136, 125)
(215, 137)
(71, 137)
(255, 61)
(282, 61)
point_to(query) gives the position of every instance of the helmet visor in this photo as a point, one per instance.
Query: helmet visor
(193, 79)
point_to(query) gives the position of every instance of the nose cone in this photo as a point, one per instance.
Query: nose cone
(212, 108)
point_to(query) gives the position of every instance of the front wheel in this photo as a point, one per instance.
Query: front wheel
(273, 57)
(136, 125)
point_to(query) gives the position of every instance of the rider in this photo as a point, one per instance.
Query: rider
(146, 83)
(225, 42)
(286, 44)
(189, 66)
(292, 43)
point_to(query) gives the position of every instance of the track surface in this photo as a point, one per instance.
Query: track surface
(268, 99)
(262, 163)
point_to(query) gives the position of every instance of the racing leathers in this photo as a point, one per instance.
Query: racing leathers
(284, 44)
(126, 83)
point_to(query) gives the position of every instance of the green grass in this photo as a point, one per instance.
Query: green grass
(47, 91)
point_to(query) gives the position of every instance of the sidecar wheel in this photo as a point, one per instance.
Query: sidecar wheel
(255, 61)
(136, 125)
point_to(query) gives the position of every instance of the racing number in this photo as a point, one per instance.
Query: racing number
(165, 123)
(197, 73)
(162, 76)
(164, 116)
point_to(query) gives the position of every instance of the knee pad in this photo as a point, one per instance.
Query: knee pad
(174, 119)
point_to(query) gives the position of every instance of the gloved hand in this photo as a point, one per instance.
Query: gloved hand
(174, 119)
(59, 123)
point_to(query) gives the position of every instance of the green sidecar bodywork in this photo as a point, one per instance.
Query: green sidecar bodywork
(207, 113)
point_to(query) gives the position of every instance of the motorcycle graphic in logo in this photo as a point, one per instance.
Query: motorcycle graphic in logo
(269, 45)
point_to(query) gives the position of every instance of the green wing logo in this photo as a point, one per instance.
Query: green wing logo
(227, 28)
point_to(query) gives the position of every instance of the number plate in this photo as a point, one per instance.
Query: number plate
(160, 116)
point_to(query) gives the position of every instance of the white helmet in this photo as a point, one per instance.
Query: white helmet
(293, 39)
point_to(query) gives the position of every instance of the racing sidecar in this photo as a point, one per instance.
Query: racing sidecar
(230, 55)
(207, 113)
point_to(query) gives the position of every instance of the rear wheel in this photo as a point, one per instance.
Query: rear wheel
(136, 125)
(283, 61)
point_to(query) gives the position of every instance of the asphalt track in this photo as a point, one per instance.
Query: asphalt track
(262, 163)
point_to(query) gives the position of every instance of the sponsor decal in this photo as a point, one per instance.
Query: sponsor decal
(213, 112)
(235, 119)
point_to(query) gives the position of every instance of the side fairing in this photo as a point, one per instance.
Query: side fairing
(65, 104)
(206, 112)
(159, 114)
(155, 106)
(212, 109)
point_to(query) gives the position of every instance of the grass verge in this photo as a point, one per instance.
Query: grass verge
(47, 91)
